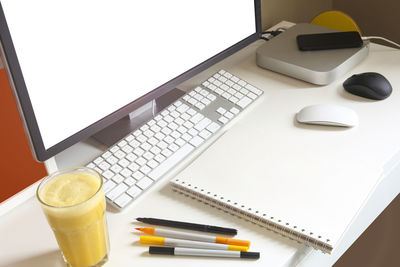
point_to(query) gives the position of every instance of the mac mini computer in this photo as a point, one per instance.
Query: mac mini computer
(281, 54)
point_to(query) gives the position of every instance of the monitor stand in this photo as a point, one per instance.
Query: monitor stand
(123, 127)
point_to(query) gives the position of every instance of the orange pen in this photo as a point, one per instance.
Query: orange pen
(195, 237)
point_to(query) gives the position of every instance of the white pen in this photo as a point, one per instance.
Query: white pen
(172, 242)
(196, 237)
(203, 252)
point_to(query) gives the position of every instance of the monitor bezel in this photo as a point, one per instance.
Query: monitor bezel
(27, 113)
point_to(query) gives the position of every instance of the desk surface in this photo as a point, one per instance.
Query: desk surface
(28, 241)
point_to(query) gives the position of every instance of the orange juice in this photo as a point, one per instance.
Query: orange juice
(74, 204)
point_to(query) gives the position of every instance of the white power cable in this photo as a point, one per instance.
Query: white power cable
(380, 38)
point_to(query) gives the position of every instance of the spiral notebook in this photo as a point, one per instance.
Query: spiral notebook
(289, 188)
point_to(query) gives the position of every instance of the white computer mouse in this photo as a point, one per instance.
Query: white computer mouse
(326, 114)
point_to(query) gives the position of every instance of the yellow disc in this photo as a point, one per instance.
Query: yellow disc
(336, 20)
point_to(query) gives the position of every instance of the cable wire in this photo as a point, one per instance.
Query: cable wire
(380, 38)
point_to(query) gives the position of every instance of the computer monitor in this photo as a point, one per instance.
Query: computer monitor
(77, 66)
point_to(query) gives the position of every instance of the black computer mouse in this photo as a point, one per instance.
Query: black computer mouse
(370, 85)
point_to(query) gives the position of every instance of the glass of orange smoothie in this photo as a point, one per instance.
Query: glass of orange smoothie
(74, 204)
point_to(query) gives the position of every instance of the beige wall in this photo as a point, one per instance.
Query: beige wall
(274, 11)
(374, 17)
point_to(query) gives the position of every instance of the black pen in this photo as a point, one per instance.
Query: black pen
(189, 226)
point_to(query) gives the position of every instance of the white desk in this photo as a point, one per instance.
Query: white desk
(28, 241)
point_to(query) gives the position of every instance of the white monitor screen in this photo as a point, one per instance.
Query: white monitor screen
(84, 59)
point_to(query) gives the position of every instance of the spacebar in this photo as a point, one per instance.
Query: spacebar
(170, 162)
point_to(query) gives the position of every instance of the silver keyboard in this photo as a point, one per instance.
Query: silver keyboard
(144, 156)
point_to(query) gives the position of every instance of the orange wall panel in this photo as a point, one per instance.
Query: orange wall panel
(18, 167)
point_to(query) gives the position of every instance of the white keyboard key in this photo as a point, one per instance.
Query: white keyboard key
(252, 95)
(160, 136)
(162, 123)
(173, 147)
(130, 181)
(126, 173)
(138, 151)
(137, 175)
(182, 130)
(160, 158)
(182, 108)
(211, 97)
(144, 128)
(168, 118)
(144, 183)
(148, 155)
(180, 142)
(118, 178)
(123, 200)
(166, 165)
(152, 163)
(234, 99)
(134, 191)
(98, 160)
(179, 121)
(113, 149)
(185, 116)
(134, 167)
(213, 127)
(202, 124)
(196, 141)
(127, 149)
(186, 137)
(91, 165)
(166, 152)
(191, 111)
(116, 191)
(122, 143)
(155, 150)
(193, 132)
(205, 134)
(244, 91)
(221, 110)
(226, 95)
(145, 169)
(141, 161)
(119, 154)
(200, 106)
(229, 115)
(116, 168)
(145, 146)
(152, 141)
(106, 154)
(149, 133)
(107, 186)
(134, 143)
(196, 118)
(242, 83)
(155, 128)
(131, 157)
(108, 174)
(244, 102)
(124, 162)
(104, 165)
(223, 120)
(254, 89)
(234, 110)
(162, 145)
(188, 124)
(232, 91)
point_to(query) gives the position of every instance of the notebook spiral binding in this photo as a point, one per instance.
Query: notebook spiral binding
(253, 216)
